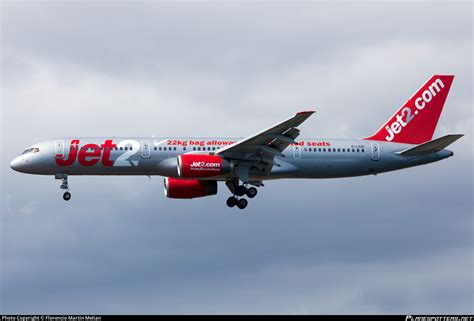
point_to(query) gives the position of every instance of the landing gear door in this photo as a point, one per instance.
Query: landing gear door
(375, 151)
(59, 148)
(296, 152)
(145, 149)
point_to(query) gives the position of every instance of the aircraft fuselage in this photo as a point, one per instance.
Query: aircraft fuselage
(307, 158)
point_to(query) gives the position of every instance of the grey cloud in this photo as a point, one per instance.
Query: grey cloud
(395, 243)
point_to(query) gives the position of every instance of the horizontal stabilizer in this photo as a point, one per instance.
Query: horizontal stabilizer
(432, 146)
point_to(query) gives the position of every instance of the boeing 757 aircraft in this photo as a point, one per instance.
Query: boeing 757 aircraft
(193, 166)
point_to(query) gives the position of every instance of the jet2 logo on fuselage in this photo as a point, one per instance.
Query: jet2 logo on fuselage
(87, 155)
(406, 114)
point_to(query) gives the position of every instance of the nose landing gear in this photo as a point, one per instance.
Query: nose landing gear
(64, 185)
(67, 196)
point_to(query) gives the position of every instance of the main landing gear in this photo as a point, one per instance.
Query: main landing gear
(239, 190)
(233, 201)
(64, 185)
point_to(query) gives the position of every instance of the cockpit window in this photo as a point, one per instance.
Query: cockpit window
(31, 150)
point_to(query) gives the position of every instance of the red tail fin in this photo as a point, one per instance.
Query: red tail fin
(415, 122)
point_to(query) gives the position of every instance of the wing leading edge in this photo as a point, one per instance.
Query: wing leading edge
(260, 149)
(273, 139)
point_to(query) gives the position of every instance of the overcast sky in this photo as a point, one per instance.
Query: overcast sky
(400, 242)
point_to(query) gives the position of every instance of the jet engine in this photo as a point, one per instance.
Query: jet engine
(201, 166)
(189, 188)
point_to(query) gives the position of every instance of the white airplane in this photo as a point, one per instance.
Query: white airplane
(193, 166)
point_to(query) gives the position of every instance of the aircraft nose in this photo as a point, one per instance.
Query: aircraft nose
(17, 164)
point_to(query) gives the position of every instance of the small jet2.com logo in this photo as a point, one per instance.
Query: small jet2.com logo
(205, 166)
(439, 318)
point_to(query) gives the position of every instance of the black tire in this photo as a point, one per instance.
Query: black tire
(67, 196)
(252, 192)
(240, 190)
(242, 203)
(231, 201)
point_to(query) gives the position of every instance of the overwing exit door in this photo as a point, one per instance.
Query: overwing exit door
(296, 152)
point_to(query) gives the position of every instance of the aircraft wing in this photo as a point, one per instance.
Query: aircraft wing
(260, 149)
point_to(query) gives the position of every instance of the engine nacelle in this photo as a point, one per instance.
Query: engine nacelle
(200, 166)
(189, 188)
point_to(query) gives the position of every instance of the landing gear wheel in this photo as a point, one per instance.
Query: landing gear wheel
(242, 203)
(67, 196)
(240, 190)
(251, 192)
(231, 201)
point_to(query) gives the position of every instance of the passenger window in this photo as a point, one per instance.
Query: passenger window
(159, 148)
(305, 150)
(194, 148)
(343, 150)
(362, 150)
(164, 148)
(184, 148)
(353, 150)
(174, 148)
(324, 149)
(319, 149)
(338, 149)
(357, 150)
